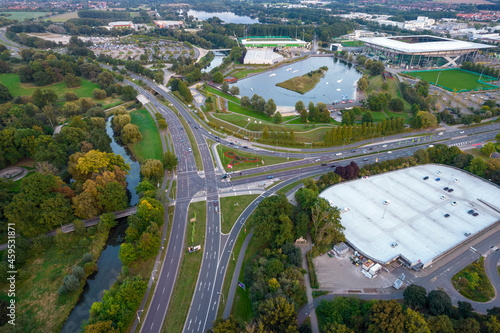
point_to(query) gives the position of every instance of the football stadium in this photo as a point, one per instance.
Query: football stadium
(417, 214)
(422, 50)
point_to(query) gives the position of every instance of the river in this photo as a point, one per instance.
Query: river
(216, 61)
(340, 80)
(226, 17)
(109, 265)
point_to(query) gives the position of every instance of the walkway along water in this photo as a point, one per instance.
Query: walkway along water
(109, 265)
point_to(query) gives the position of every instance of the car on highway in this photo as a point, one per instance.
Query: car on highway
(323, 164)
(338, 154)
(189, 149)
(196, 127)
(370, 148)
(462, 132)
(365, 159)
(269, 177)
(384, 146)
(353, 151)
(389, 152)
(317, 160)
(231, 143)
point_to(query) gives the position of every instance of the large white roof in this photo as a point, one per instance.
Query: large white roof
(446, 44)
(414, 218)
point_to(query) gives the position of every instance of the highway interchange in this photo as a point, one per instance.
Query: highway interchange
(217, 247)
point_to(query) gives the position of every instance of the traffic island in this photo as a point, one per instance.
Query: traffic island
(472, 282)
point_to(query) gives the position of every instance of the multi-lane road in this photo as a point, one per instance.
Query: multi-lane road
(217, 247)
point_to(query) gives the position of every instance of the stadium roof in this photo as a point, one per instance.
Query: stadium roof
(414, 218)
(439, 44)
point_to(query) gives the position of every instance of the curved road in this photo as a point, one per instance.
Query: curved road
(217, 251)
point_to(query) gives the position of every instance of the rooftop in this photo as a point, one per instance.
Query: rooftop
(414, 217)
(430, 43)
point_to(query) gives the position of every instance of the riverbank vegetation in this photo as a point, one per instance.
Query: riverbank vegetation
(304, 83)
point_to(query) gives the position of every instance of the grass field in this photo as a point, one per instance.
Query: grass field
(242, 307)
(37, 301)
(20, 16)
(264, 160)
(188, 272)
(150, 145)
(353, 43)
(63, 17)
(233, 107)
(452, 79)
(16, 88)
(473, 283)
(231, 208)
(220, 93)
(302, 84)
(243, 73)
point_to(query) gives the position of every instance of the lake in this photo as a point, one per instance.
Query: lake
(226, 17)
(340, 80)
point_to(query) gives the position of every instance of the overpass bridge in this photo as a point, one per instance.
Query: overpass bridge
(88, 223)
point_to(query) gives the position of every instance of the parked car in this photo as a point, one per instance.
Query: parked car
(426, 177)
(470, 212)
(475, 214)
(445, 189)
(446, 215)
(450, 190)
(438, 179)
(454, 203)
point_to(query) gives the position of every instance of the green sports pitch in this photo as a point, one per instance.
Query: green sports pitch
(454, 79)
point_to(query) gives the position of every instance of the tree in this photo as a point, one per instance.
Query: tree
(415, 322)
(101, 327)
(386, 316)
(105, 79)
(278, 315)
(131, 134)
(148, 245)
(424, 119)
(265, 133)
(229, 325)
(337, 328)
(72, 81)
(42, 97)
(218, 77)
(376, 68)
(363, 83)
(277, 118)
(162, 124)
(415, 296)
(170, 161)
(299, 106)
(112, 197)
(270, 107)
(396, 104)
(129, 93)
(99, 93)
(440, 324)
(367, 117)
(5, 95)
(128, 254)
(234, 90)
(70, 95)
(492, 325)
(152, 169)
(224, 87)
(326, 221)
(488, 149)
(439, 302)
(477, 166)
(245, 101)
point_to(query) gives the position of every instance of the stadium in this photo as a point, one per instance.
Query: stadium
(404, 215)
(422, 50)
(272, 41)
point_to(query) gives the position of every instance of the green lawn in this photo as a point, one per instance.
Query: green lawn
(242, 307)
(188, 271)
(243, 73)
(289, 187)
(20, 16)
(263, 159)
(37, 301)
(16, 88)
(453, 79)
(173, 189)
(473, 283)
(353, 43)
(150, 146)
(220, 93)
(302, 84)
(233, 107)
(231, 208)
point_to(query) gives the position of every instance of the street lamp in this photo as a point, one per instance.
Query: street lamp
(139, 317)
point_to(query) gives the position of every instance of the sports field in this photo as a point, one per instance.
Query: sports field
(454, 79)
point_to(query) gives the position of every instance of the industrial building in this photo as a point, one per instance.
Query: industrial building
(168, 24)
(422, 50)
(407, 214)
(262, 57)
(272, 42)
(121, 25)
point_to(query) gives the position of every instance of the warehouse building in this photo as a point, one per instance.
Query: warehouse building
(407, 214)
(422, 50)
(262, 57)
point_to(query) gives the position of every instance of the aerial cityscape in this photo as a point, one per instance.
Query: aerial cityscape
(220, 166)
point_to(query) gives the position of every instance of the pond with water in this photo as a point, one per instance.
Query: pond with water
(339, 81)
(226, 17)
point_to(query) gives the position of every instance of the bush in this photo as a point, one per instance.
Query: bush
(312, 273)
(62, 290)
(87, 257)
(71, 282)
(78, 272)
